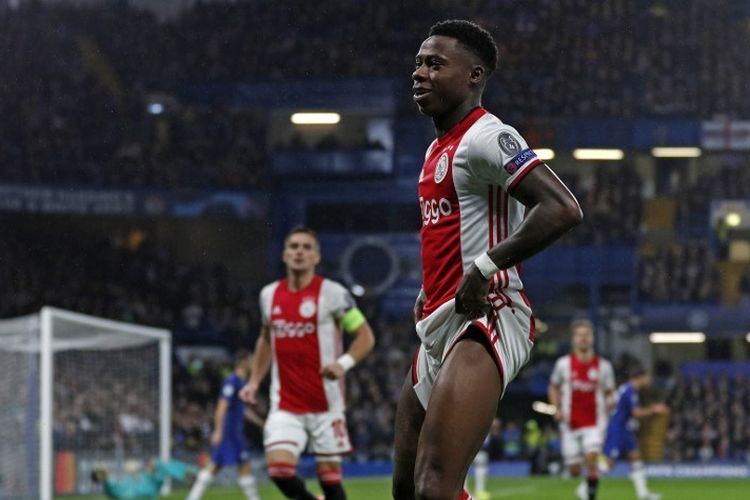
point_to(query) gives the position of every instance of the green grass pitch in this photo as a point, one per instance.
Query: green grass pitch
(522, 489)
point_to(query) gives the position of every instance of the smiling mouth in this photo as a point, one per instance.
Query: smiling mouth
(419, 94)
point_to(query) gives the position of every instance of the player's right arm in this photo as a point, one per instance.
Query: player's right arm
(261, 363)
(554, 392)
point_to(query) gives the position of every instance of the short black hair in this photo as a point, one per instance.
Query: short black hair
(472, 36)
(636, 370)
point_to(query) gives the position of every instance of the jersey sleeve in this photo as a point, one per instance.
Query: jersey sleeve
(264, 303)
(634, 401)
(608, 376)
(343, 308)
(557, 373)
(498, 155)
(228, 390)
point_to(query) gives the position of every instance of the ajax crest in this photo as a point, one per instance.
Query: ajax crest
(593, 373)
(307, 308)
(441, 169)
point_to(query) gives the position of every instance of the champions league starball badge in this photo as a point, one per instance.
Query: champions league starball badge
(508, 144)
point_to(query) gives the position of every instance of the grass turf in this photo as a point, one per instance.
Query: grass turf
(520, 488)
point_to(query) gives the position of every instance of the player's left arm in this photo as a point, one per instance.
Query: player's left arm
(552, 210)
(221, 410)
(608, 385)
(353, 322)
(640, 412)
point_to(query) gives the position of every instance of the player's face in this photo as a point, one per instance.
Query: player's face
(301, 252)
(442, 75)
(583, 338)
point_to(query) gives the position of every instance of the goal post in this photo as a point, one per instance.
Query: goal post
(88, 391)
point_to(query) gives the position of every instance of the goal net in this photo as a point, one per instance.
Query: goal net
(79, 392)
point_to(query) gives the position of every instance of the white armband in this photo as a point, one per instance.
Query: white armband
(486, 266)
(346, 361)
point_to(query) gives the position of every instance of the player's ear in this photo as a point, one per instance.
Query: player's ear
(476, 77)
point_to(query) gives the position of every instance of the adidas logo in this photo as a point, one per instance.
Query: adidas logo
(276, 309)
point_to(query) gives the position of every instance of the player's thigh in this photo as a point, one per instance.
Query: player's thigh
(409, 418)
(591, 440)
(284, 435)
(572, 449)
(328, 435)
(459, 413)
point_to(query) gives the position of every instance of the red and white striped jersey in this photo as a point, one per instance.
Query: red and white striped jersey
(583, 387)
(305, 336)
(464, 189)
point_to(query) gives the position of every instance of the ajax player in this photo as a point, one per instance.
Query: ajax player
(228, 439)
(621, 440)
(300, 341)
(487, 203)
(582, 390)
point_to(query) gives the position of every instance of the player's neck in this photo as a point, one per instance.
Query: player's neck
(299, 280)
(584, 355)
(447, 121)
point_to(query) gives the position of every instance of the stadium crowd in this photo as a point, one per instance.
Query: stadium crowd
(612, 200)
(114, 408)
(76, 109)
(710, 418)
(142, 283)
(679, 273)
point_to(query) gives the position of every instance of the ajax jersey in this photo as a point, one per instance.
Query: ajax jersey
(305, 336)
(464, 198)
(583, 385)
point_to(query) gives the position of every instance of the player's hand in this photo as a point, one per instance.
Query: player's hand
(471, 296)
(247, 393)
(558, 416)
(332, 371)
(660, 409)
(418, 307)
(216, 437)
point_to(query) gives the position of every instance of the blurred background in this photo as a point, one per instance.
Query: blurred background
(154, 154)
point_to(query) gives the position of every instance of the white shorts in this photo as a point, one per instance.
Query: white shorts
(509, 330)
(325, 433)
(578, 443)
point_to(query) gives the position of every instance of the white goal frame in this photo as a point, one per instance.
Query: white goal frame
(47, 372)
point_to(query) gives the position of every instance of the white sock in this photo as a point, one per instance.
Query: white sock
(248, 486)
(638, 476)
(480, 471)
(202, 482)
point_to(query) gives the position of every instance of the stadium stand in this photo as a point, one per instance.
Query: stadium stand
(77, 112)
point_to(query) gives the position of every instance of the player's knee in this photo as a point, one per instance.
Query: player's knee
(329, 474)
(281, 471)
(330, 479)
(431, 483)
(574, 469)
